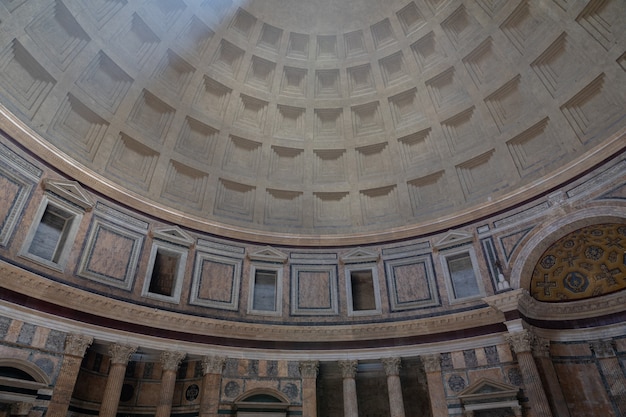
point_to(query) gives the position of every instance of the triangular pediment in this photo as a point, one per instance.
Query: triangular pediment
(174, 234)
(268, 254)
(453, 238)
(486, 388)
(70, 191)
(359, 255)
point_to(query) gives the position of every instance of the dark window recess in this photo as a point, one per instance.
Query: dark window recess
(264, 291)
(51, 234)
(362, 283)
(97, 362)
(163, 273)
(462, 275)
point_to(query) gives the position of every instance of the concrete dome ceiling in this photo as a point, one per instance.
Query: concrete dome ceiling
(321, 119)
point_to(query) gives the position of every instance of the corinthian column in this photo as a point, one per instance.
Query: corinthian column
(308, 370)
(603, 349)
(348, 371)
(392, 370)
(520, 341)
(120, 355)
(75, 347)
(432, 366)
(212, 367)
(169, 362)
(541, 351)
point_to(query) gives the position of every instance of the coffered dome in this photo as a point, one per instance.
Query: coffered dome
(321, 120)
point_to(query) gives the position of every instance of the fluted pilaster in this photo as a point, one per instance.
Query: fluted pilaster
(212, 366)
(432, 366)
(521, 342)
(309, 370)
(75, 347)
(604, 350)
(541, 351)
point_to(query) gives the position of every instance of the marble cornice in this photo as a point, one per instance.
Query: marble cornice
(572, 310)
(36, 287)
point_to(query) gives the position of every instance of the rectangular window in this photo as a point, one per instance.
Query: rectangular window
(362, 289)
(51, 234)
(462, 276)
(362, 284)
(164, 273)
(164, 277)
(264, 291)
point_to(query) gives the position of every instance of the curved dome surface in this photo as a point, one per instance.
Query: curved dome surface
(361, 120)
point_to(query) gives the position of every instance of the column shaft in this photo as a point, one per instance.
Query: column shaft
(170, 362)
(350, 403)
(111, 397)
(394, 387)
(168, 382)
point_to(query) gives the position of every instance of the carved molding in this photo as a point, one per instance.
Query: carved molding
(77, 344)
(506, 301)
(120, 354)
(309, 369)
(348, 368)
(392, 366)
(593, 307)
(213, 364)
(170, 360)
(35, 286)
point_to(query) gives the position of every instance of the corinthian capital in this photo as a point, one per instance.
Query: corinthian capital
(308, 369)
(432, 362)
(391, 365)
(602, 348)
(170, 360)
(520, 341)
(348, 368)
(213, 364)
(77, 344)
(120, 354)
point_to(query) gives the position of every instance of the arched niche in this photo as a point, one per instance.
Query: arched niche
(548, 233)
(261, 403)
(20, 381)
